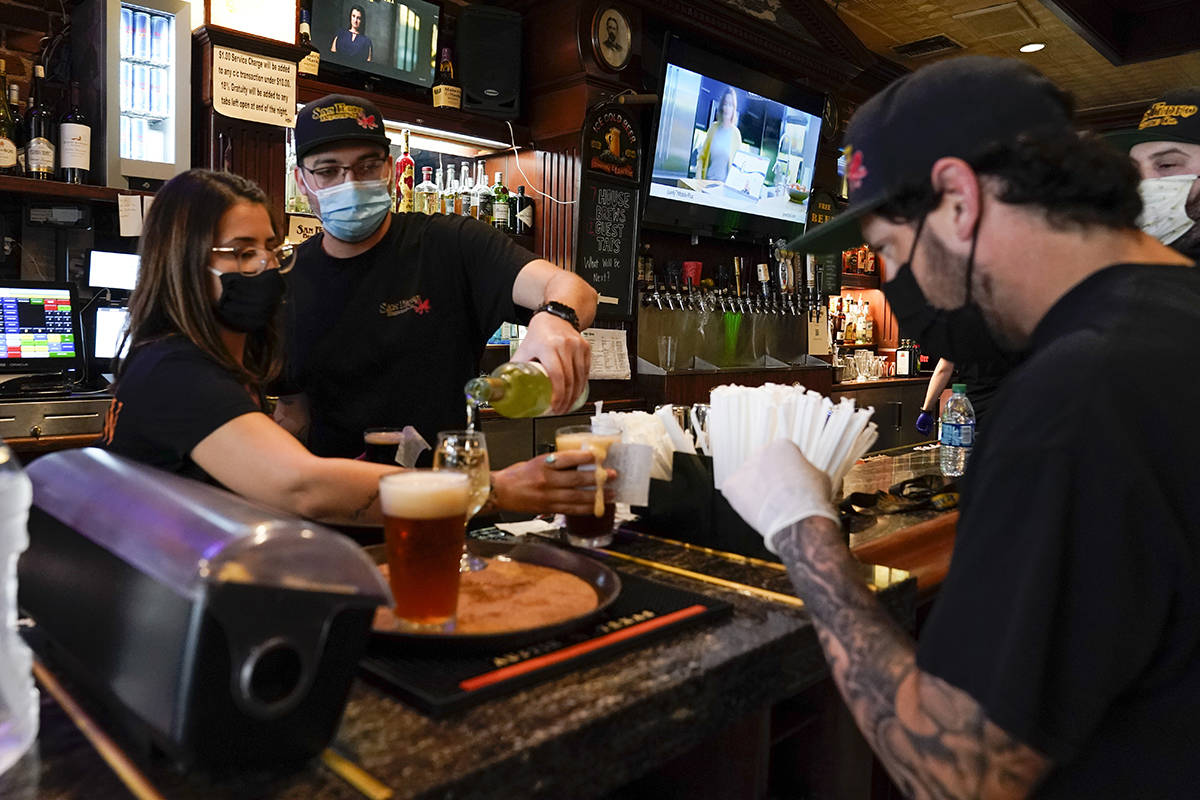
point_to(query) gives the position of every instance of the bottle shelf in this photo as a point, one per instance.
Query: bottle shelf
(859, 280)
(57, 190)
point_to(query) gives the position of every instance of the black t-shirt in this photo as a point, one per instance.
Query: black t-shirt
(391, 336)
(1071, 611)
(170, 396)
(983, 381)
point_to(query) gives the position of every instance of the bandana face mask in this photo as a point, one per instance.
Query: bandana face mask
(1164, 207)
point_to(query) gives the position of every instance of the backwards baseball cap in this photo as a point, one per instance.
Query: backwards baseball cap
(957, 107)
(1174, 117)
(338, 118)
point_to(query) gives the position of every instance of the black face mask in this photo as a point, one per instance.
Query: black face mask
(960, 335)
(248, 302)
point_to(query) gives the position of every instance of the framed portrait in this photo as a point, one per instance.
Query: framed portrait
(612, 37)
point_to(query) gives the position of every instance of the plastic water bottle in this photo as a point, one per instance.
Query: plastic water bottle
(18, 695)
(957, 434)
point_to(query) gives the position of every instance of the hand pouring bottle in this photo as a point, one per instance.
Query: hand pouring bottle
(18, 695)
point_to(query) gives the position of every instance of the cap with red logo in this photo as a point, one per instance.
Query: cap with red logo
(954, 108)
(338, 118)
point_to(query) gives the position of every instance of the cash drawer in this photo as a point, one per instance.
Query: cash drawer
(59, 417)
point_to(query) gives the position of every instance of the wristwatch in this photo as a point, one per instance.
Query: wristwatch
(560, 310)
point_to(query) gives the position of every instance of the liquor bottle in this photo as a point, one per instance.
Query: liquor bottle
(500, 203)
(516, 389)
(481, 199)
(9, 131)
(522, 212)
(311, 63)
(449, 190)
(405, 176)
(425, 193)
(446, 91)
(465, 190)
(74, 142)
(39, 151)
(19, 135)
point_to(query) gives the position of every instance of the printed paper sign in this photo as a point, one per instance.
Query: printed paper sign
(610, 355)
(254, 88)
(301, 228)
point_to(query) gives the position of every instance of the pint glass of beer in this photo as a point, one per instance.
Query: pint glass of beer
(595, 529)
(380, 444)
(424, 524)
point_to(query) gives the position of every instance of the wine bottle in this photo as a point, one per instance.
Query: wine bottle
(405, 176)
(516, 389)
(8, 131)
(446, 91)
(74, 142)
(311, 63)
(500, 203)
(21, 136)
(522, 211)
(39, 151)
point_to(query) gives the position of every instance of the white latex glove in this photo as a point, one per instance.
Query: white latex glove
(777, 487)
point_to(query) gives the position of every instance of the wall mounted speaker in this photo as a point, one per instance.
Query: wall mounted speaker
(489, 60)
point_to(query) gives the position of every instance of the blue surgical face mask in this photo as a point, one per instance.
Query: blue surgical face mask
(353, 210)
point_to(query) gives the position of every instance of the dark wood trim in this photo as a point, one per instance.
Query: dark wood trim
(401, 110)
(1111, 118)
(213, 35)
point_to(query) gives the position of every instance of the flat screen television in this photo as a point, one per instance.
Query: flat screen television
(41, 328)
(734, 149)
(389, 38)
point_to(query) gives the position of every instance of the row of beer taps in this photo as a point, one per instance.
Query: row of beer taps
(737, 288)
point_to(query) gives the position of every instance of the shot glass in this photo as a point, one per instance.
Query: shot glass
(595, 529)
(424, 527)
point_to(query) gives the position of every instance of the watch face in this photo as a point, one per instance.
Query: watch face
(611, 37)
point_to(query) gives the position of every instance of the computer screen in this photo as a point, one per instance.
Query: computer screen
(113, 270)
(41, 330)
(110, 327)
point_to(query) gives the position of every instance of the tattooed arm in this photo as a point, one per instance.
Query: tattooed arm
(934, 739)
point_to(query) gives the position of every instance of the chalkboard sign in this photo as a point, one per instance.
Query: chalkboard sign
(605, 247)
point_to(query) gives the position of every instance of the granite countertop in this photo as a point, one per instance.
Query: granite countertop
(581, 735)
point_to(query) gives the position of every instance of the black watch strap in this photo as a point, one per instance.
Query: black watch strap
(560, 310)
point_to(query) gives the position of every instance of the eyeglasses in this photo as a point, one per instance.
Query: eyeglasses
(334, 174)
(256, 260)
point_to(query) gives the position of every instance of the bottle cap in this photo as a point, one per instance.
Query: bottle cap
(959, 387)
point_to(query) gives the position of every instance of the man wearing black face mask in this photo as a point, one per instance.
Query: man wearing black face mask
(1061, 653)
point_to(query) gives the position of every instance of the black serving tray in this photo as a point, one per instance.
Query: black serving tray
(644, 612)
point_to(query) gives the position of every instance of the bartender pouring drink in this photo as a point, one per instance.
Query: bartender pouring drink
(388, 314)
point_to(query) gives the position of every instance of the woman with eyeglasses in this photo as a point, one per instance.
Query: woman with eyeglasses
(203, 334)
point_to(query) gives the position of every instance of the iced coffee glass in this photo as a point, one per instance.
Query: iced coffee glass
(424, 525)
(595, 529)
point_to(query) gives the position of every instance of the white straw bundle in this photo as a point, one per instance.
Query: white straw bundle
(745, 419)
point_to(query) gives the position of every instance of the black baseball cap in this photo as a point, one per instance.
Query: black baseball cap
(1174, 117)
(338, 118)
(957, 107)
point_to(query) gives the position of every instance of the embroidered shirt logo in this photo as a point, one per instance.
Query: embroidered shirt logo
(416, 303)
(1166, 114)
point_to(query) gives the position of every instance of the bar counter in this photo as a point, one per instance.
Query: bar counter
(585, 734)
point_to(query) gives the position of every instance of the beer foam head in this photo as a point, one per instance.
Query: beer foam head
(424, 494)
(383, 437)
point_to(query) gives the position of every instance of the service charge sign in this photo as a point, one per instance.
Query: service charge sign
(254, 88)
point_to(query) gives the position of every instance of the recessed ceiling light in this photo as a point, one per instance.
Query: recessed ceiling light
(1032, 47)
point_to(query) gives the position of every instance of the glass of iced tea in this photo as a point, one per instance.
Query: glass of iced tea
(595, 529)
(424, 524)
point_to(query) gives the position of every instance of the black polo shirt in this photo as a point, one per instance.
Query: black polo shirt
(1071, 611)
(391, 336)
